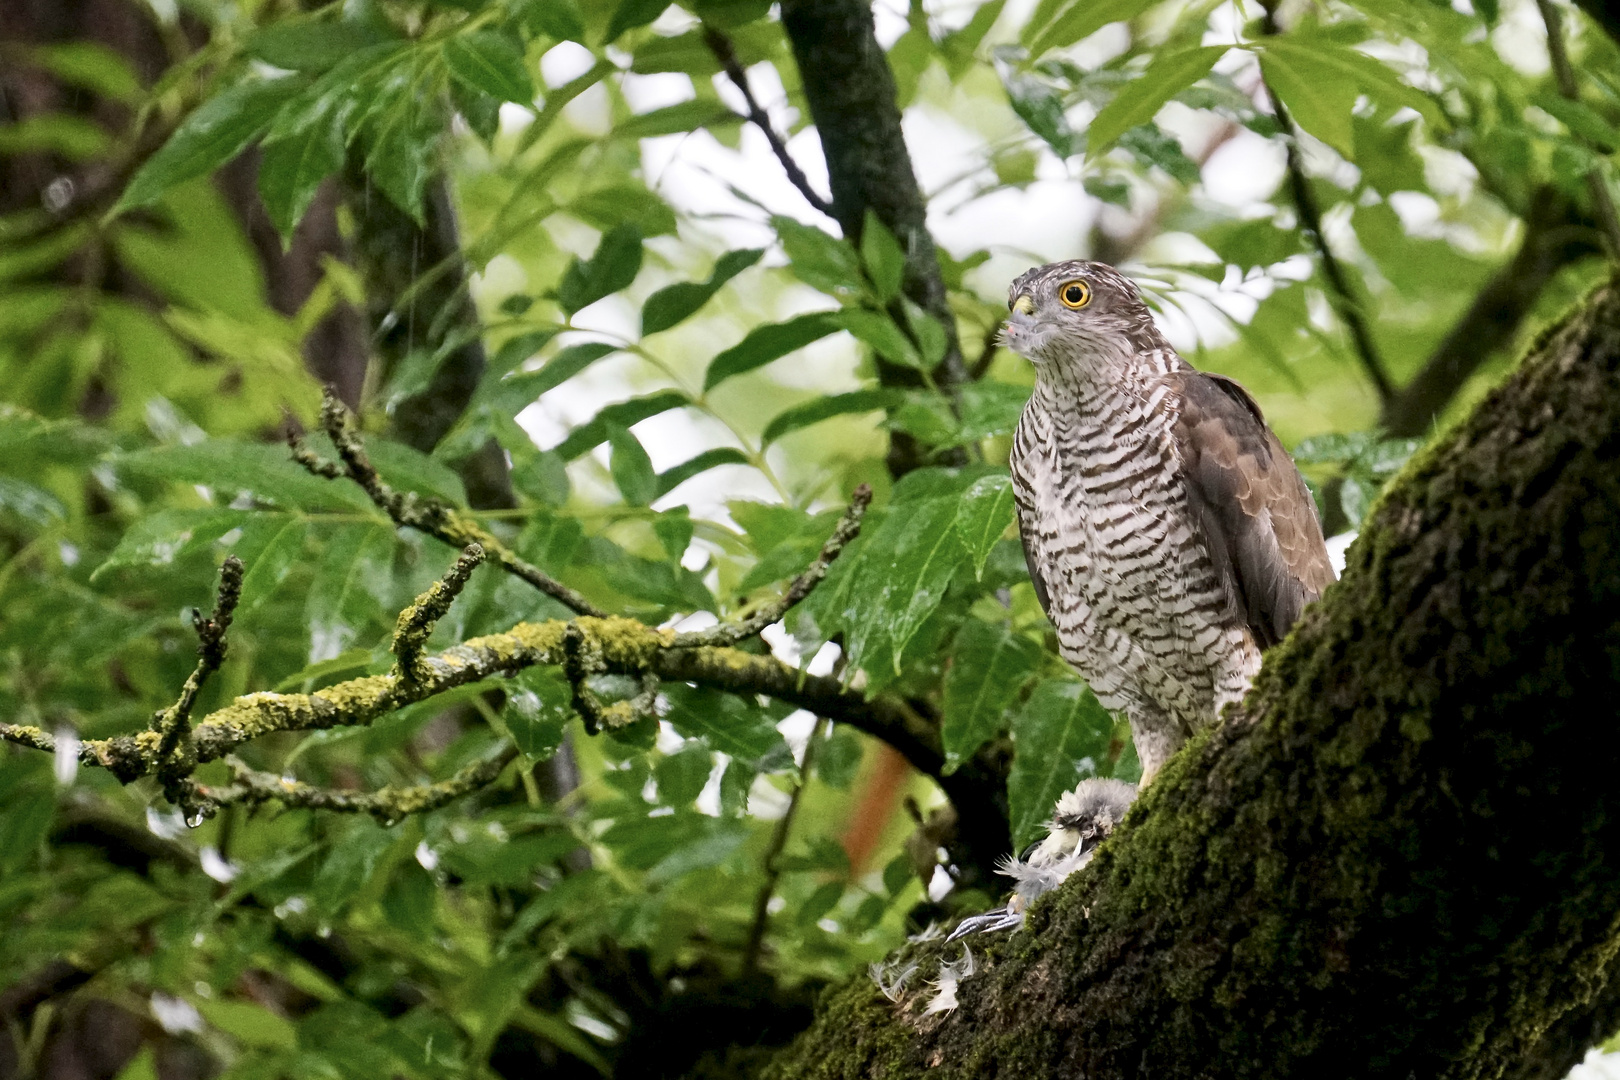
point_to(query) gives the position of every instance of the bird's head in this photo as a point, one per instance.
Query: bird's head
(1076, 313)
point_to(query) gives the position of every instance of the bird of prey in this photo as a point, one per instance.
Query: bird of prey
(1083, 819)
(1169, 536)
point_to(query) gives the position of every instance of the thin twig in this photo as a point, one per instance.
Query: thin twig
(174, 723)
(1558, 53)
(387, 804)
(721, 46)
(576, 672)
(428, 515)
(848, 527)
(773, 872)
(1310, 219)
(416, 622)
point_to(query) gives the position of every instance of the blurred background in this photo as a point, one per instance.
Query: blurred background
(552, 255)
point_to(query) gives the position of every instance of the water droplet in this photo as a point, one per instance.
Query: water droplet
(195, 818)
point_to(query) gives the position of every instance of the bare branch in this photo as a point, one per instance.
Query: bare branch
(1558, 53)
(1343, 299)
(424, 514)
(416, 622)
(720, 45)
(773, 872)
(848, 527)
(388, 804)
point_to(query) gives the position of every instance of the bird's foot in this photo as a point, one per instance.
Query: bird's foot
(1002, 918)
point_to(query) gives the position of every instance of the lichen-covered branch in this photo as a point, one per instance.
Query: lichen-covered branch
(418, 512)
(417, 621)
(387, 804)
(848, 527)
(1397, 858)
(173, 723)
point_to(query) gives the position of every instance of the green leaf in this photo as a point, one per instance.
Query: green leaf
(984, 515)
(408, 469)
(491, 62)
(91, 65)
(1059, 738)
(350, 587)
(928, 552)
(514, 393)
(402, 140)
(676, 475)
(1076, 20)
(214, 133)
(674, 531)
(676, 119)
(1319, 101)
(617, 204)
(249, 1024)
(350, 864)
(291, 171)
(820, 261)
(539, 704)
(559, 19)
(1325, 58)
(991, 408)
(682, 776)
(824, 408)
(612, 267)
(1151, 146)
(631, 14)
(311, 45)
(1142, 98)
(594, 432)
(989, 666)
(1581, 119)
(673, 303)
(1041, 109)
(34, 505)
(269, 562)
(265, 472)
(767, 343)
(731, 725)
(838, 757)
(876, 329)
(631, 467)
(158, 539)
(884, 258)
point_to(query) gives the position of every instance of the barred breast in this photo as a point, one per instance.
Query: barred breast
(1129, 587)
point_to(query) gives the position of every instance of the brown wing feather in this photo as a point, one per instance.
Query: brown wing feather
(1258, 518)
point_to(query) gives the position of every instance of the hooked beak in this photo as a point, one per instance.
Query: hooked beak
(1023, 332)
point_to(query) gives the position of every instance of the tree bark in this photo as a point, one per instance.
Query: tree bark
(1397, 857)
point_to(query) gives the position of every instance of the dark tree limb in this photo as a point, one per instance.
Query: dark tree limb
(1344, 300)
(1554, 238)
(1396, 858)
(720, 46)
(851, 94)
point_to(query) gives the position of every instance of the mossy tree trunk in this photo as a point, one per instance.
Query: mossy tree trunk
(1402, 858)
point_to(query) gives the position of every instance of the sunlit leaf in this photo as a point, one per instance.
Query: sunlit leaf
(767, 343)
(989, 667)
(984, 515)
(1058, 23)
(673, 303)
(612, 267)
(491, 62)
(1142, 98)
(631, 467)
(818, 409)
(631, 14)
(883, 257)
(214, 133)
(594, 432)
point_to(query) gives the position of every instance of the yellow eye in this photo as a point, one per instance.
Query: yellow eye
(1074, 294)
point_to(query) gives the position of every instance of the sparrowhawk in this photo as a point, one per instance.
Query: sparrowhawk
(1169, 536)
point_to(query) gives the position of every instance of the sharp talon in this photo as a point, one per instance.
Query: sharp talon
(975, 924)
